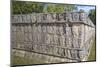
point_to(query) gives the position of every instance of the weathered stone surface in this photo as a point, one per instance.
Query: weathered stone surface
(33, 18)
(59, 37)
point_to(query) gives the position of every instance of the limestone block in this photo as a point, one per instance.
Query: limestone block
(15, 19)
(24, 18)
(82, 17)
(61, 30)
(55, 39)
(62, 40)
(33, 18)
(49, 29)
(25, 29)
(26, 37)
(39, 18)
(60, 17)
(44, 18)
(50, 18)
(75, 16)
(48, 39)
(75, 35)
(70, 17)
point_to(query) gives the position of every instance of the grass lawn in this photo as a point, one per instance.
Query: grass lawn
(16, 60)
(92, 56)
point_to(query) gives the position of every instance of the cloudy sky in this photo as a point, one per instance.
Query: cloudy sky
(85, 8)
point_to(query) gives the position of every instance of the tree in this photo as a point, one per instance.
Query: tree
(81, 10)
(59, 8)
(92, 15)
(23, 7)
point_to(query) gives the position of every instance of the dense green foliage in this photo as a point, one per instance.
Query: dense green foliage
(55, 8)
(81, 10)
(92, 15)
(23, 7)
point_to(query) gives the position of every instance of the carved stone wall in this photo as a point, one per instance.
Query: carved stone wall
(61, 37)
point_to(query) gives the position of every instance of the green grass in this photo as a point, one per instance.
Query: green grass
(92, 56)
(16, 60)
